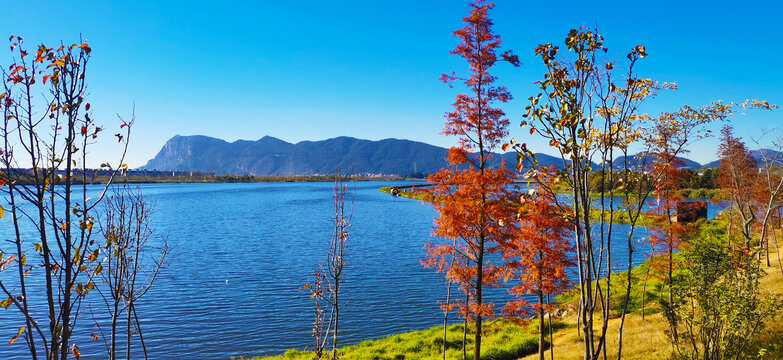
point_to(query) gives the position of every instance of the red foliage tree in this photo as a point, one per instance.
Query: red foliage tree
(738, 178)
(666, 235)
(475, 203)
(538, 256)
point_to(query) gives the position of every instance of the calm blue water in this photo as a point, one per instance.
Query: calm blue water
(239, 254)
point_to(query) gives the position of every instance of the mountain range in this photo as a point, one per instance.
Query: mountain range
(272, 156)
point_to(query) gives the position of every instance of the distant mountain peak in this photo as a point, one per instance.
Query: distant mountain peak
(272, 156)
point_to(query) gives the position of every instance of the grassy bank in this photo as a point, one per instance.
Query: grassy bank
(502, 340)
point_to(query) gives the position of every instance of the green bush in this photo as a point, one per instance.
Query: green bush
(718, 309)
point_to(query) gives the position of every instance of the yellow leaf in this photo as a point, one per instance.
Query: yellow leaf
(21, 329)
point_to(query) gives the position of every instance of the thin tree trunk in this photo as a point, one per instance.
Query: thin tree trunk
(479, 278)
(446, 318)
(627, 295)
(128, 333)
(141, 335)
(551, 340)
(334, 331)
(540, 325)
(113, 332)
(644, 288)
(464, 339)
(579, 319)
(777, 249)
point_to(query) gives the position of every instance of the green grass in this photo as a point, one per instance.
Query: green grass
(653, 289)
(502, 340)
(619, 281)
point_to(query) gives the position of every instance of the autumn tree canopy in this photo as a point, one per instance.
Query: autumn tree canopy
(475, 206)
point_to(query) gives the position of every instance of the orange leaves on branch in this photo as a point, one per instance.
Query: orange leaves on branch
(85, 47)
(474, 207)
(457, 155)
(18, 334)
(4, 263)
(539, 252)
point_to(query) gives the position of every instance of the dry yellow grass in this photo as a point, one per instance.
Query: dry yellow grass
(646, 339)
(771, 337)
(642, 339)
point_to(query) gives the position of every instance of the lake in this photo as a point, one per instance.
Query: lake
(240, 253)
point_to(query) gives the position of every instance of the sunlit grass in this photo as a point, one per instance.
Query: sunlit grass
(502, 340)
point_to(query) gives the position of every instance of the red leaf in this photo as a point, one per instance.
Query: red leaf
(87, 107)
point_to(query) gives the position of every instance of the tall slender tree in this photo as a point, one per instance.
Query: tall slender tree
(475, 206)
(738, 176)
(539, 255)
(44, 158)
(666, 233)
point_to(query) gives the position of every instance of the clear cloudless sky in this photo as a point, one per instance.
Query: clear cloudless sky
(311, 70)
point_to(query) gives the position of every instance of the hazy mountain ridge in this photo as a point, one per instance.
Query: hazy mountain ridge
(272, 156)
(770, 155)
(642, 160)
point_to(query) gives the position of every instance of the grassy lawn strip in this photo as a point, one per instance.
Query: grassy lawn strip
(502, 340)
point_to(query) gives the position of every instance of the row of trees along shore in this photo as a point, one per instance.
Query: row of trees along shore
(587, 109)
(82, 243)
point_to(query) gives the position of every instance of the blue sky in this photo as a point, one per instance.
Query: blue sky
(311, 70)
